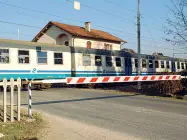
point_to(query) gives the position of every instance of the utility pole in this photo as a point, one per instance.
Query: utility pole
(138, 49)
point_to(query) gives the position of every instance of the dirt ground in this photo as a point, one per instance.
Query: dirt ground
(64, 129)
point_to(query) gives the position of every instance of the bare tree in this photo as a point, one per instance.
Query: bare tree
(176, 28)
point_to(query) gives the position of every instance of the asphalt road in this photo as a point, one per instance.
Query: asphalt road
(139, 116)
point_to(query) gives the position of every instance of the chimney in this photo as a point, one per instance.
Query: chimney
(88, 26)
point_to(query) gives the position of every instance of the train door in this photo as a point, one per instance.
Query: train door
(173, 66)
(151, 70)
(128, 66)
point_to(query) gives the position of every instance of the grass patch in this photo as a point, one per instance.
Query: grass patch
(23, 130)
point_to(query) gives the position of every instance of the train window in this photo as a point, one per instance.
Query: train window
(178, 65)
(182, 65)
(156, 64)
(186, 66)
(86, 60)
(23, 56)
(136, 63)
(98, 61)
(150, 63)
(118, 62)
(109, 61)
(167, 64)
(144, 63)
(42, 57)
(58, 58)
(162, 64)
(4, 55)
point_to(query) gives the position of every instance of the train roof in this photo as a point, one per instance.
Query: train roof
(8, 42)
(123, 53)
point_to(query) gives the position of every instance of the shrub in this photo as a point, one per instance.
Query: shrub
(169, 88)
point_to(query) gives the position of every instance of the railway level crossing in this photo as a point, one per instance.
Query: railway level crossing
(77, 80)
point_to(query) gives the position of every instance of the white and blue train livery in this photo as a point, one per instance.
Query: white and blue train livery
(47, 61)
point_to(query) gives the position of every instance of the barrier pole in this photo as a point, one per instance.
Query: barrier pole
(4, 99)
(12, 100)
(18, 98)
(30, 101)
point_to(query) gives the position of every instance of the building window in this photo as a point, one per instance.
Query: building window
(156, 64)
(108, 46)
(118, 62)
(89, 44)
(182, 65)
(58, 58)
(162, 64)
(109, 61)
(66, 43)
(23, 56)
(144, 63)
(136, 63)
(167, 64)
(4, 55)
(150, 63)
(86, 60)
(178, 65)
(42, 57)
(98, 61)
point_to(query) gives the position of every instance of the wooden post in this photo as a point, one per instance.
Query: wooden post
(12, 100)
(4, 99)
(18, 103)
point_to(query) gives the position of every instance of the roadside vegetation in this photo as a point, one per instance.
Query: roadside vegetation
(23, 130)
(175, 89)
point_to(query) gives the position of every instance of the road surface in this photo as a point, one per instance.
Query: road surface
(135, 115)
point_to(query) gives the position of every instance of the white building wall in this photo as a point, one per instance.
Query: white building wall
(51, 35)
(80, 42)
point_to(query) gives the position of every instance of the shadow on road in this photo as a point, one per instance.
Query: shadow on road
(82, 99)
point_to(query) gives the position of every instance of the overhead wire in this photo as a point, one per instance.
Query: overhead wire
(64, 18)
(114, 15)
(54, 16)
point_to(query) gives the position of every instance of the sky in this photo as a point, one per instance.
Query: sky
(117, 17)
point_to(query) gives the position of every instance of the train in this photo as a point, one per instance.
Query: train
(40, 61)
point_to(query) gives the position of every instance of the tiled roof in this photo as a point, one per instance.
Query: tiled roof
(81, 32)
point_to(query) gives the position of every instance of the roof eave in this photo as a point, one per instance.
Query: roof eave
(44, 29)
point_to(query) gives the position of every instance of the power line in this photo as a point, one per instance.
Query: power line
(150, 34)
(58, 17)
(111, 14)
(134, 11)
(24, 25)
(14, 33)
(102, 11)
(64, 18)
(147, 45)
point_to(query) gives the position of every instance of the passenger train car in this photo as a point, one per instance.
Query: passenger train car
(47, 61)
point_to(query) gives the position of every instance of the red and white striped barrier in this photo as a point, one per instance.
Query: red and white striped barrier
(118, 79)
